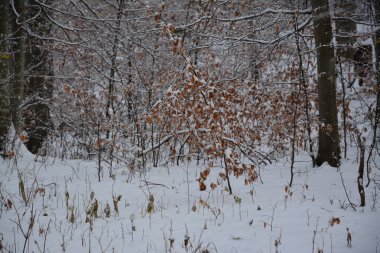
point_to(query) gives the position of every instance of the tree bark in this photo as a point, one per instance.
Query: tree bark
(5, 59)
(328, 142)
(376, 137)
(113, 71)
(39, 84)
(377, 53)
(361, 172)
(18, 79)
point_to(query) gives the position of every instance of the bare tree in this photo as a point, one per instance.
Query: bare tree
(5, 58)
(18, 70)
(39, 82)
(328, 143)
(376, 126)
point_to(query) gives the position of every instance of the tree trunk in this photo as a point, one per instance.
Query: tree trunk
(376, 130)
(328, 143)
(18, 48)
(39, 86)
(5, 59)
(377, 53)
(113, 70)
(361, 172)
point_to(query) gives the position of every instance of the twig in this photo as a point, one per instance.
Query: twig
(345, 190)
(272, 217)
(29, 230)
(154, 184)
(46, 231)
(326, 210)
(315, 234)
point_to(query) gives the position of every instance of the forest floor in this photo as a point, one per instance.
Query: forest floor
(45, 203)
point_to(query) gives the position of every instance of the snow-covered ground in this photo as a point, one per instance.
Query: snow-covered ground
(164, 211)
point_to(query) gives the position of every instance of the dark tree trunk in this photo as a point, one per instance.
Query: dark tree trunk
(377, 53)
(113, 70)
(361, 173)
(376, 39)
(328, 143)
(345, 28)
(38, 87)
(18, 68)
(5, 59)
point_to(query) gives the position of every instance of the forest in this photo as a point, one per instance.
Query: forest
(197, 126)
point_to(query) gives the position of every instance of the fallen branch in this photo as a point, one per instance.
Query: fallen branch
(154, 184)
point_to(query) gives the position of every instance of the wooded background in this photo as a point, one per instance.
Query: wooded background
(132, 83)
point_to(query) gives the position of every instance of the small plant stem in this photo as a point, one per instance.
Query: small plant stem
(345, 190)
(227, 176)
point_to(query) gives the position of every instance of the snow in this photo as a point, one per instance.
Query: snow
(253, 219)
